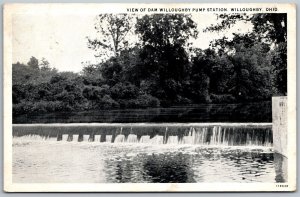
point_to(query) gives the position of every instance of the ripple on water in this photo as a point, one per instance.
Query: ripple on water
(105, 162)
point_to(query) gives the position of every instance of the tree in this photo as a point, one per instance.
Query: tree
(271, 27)
(92, 74)
(159, 30)
(165, 59)
(250, 70)
(279, 62)
(112, 29)
(268, 29)
(33, 63)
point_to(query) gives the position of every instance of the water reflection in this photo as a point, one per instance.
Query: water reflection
(168, 168)
(200, 165)
(281, 164)
(35, 162)
(244, 112)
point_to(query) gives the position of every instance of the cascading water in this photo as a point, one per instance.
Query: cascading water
(187, 140)
(158, 139)
(65, 137)
(75, 138)
(198, 136)
(108, 138)
(97, 138)
(86, 138)
(228, 135)
(172, 140)
(120, 138)
(132, 138)
(217, 136)
(145, 139)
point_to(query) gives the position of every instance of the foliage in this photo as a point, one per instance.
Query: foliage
(162, 69)
(270, 29)
(113, 29)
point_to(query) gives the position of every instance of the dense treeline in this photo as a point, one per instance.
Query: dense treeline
(161, 68)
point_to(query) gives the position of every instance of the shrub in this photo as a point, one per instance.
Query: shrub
(223, 98)
(142, 101)
(147, 100)
(124, 91)
(107, 102)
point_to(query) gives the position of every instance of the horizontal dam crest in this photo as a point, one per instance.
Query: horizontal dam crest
(226, 134)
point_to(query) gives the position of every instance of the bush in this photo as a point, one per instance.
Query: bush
(124, 91)
(107, 102)
(147, 100)
(183, 100)
(142, 101)
(41, 107)
(223, 98)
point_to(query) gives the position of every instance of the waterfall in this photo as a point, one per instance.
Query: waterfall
(145, 139)
(65, 137)
(86, 138)
(216, 136)
(158, 139)
(172, 140)
(224, 141)
(132, 138)
(75, 138)
(187, 140)
(120, 138)
(70, 138)
(108, 138)
(199, 136)
(97, 138)
(268, 137)
(226, 134)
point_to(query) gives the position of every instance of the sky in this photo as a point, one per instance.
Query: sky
(61, 38)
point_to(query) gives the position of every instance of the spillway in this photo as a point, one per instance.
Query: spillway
(224, 134)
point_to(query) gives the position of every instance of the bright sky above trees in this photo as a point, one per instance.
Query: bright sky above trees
(61, 39)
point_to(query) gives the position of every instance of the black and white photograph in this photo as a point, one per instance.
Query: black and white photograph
(149, 97)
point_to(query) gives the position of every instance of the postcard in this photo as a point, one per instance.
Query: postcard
(149, 97)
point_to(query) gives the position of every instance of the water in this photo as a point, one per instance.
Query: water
(132, 138)
(120, 138)
(75, 138)
(145, 139)
(108, 138)
(36, 161)
(243, 112)
(146, 153)
(86, 138)
(226, 134)
(65, 137)
(97, 138)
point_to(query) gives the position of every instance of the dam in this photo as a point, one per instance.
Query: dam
(224, 134)
(152, 152)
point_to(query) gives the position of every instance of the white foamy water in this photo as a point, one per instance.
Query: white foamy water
(132, 138)
(158, 139)
(187, 140)
(228, 134)
(97, 138)
(86, 138)
(173, 140)
(75, 138)
(119, 139)
(65, 137)
(108, 138)
(145, 139)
